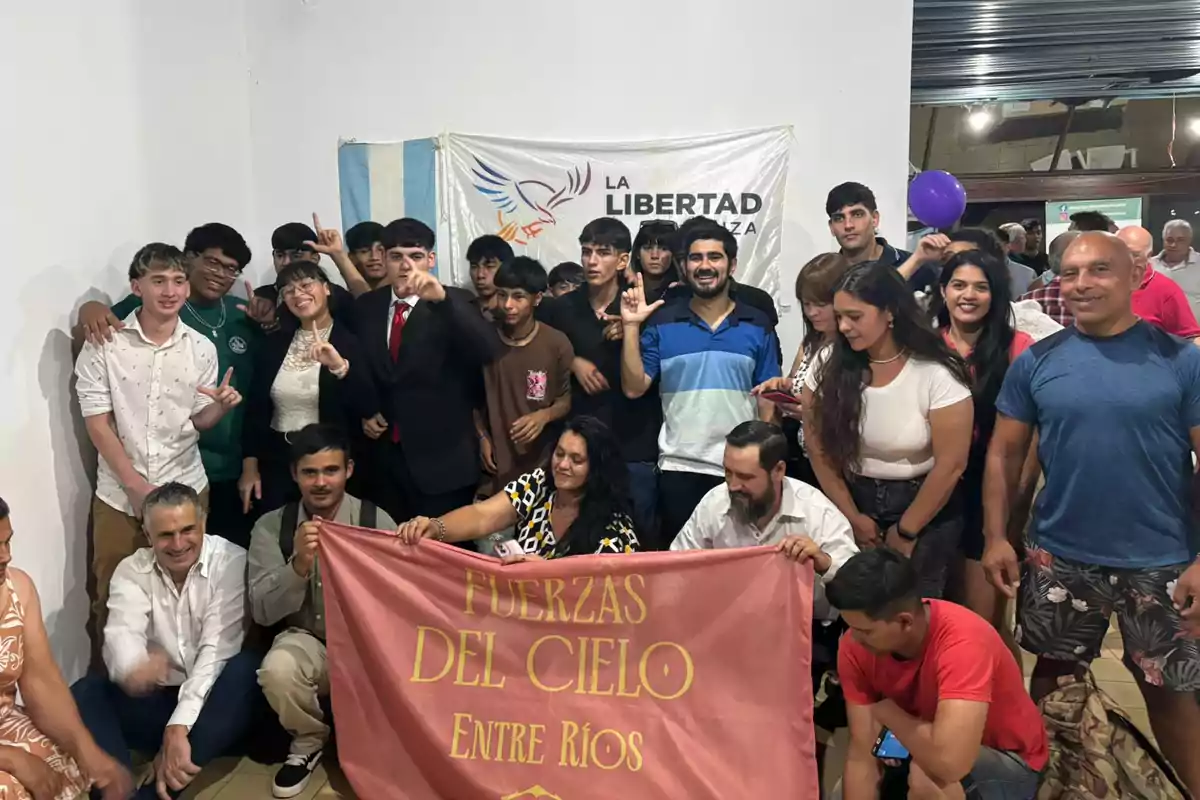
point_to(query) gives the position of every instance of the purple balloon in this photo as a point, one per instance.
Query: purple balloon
(936, 198)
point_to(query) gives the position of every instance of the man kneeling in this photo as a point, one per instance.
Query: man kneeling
(940, 680)
(178, 684)
(285, 585)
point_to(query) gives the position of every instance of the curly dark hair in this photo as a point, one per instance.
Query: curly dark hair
(605, 494)
(838, 400)
(989, 358)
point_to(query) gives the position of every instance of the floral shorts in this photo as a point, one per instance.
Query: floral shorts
(1064, 608)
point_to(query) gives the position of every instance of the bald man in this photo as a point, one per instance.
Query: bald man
(1158, 299)
(1047, 292)
(1115, 402)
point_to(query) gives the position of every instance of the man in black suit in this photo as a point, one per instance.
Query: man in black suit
(426, 345)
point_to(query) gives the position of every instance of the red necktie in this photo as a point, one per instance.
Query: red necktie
(398, 318)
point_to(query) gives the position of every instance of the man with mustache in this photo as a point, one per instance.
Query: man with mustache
(709, 351)
(1115, 402)
(759, 505)
(286, 588)
(178, 682)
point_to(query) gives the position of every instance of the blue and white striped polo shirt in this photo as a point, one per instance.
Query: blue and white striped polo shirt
(706, 378)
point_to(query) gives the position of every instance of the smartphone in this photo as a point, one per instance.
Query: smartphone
(888, 746)
(782, 398)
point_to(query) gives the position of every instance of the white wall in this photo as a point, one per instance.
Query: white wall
(385, 70)
(122, 122)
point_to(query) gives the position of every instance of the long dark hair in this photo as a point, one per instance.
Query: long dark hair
(839, 397)
(989, 358)
(605, 494)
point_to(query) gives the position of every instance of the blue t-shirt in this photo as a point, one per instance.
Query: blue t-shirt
(706, 378)
(1113, 417)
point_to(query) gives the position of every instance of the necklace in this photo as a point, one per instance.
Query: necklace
(887, 360)
(520, 342)
(205, 323)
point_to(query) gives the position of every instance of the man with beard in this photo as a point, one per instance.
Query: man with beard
(709, 352)
(286, 587)
(528, 387)
(759, 505)
(364, 246)
(217, 254)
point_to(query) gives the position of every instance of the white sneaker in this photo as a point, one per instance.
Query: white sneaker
(293, 776)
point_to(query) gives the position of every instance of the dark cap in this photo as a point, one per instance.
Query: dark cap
(292, 236)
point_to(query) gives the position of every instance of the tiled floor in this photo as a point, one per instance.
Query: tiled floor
(230, 779)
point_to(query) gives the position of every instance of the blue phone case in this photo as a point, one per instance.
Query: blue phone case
(889, 747)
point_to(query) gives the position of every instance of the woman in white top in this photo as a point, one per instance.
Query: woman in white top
(814, 289)
(301, 377)
(889, 418)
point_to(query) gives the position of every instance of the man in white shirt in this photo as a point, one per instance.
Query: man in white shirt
(1179, 262)
(145, 396)
(178, 684)
(759, 505)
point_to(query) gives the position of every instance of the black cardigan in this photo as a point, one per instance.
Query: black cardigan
(344, 403)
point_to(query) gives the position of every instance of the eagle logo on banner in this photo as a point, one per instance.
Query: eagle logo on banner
(511, 196)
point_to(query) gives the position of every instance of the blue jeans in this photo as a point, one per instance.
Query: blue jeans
(120, 723)
(643, 491)
(999, 775)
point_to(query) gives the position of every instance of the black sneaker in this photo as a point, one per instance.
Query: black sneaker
(293, 776)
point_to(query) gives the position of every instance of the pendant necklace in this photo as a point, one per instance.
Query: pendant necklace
(204, 322)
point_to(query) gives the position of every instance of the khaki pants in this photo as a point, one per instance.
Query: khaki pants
(293, 677)
(115, 537)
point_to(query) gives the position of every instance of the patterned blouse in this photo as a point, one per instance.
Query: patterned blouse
(532, 497)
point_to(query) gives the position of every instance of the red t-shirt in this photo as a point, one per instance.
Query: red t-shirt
(964, 659)
(1161, 302)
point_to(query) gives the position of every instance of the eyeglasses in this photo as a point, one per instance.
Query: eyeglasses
(666, 223)
(307, 286)
(213, 265)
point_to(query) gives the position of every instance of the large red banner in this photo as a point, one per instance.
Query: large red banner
(681, 676)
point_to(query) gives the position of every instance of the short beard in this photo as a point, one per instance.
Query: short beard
(750, 510)
(708, 294)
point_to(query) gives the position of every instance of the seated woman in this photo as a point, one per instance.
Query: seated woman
(301, 377)
(579, 505)
(46, 753)
(888, 420)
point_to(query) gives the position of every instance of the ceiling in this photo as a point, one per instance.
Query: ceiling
(968, 51)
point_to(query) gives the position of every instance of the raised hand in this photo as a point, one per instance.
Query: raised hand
(425, 286)
(329, 240)
(930, 247)
(258, 309)
(634, 309)
(324, 353)
(223, 395)
(304, 546)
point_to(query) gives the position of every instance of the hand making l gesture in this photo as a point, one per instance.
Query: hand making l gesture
(634, 309)
(223, 395)
(323, 351)
(329, 240)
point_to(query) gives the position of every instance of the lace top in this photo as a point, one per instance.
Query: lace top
(295, 390)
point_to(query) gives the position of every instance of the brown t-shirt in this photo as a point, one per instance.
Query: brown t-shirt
(523, 380)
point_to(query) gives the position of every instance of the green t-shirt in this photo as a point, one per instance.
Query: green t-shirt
(235, 340)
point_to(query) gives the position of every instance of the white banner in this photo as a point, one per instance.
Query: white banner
(539, 195)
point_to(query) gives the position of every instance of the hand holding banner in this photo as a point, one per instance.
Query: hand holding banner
(682, 675)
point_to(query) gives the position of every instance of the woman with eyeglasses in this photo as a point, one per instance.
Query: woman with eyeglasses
(888, 421)
(313, 374)
(974, 316)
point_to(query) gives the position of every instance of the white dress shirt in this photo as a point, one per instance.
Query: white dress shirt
(151, 392)
(199, 627)
(803, 511)
(410, 301)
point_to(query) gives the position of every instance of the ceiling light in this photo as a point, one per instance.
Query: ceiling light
(979, 120)
(1194, 126)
